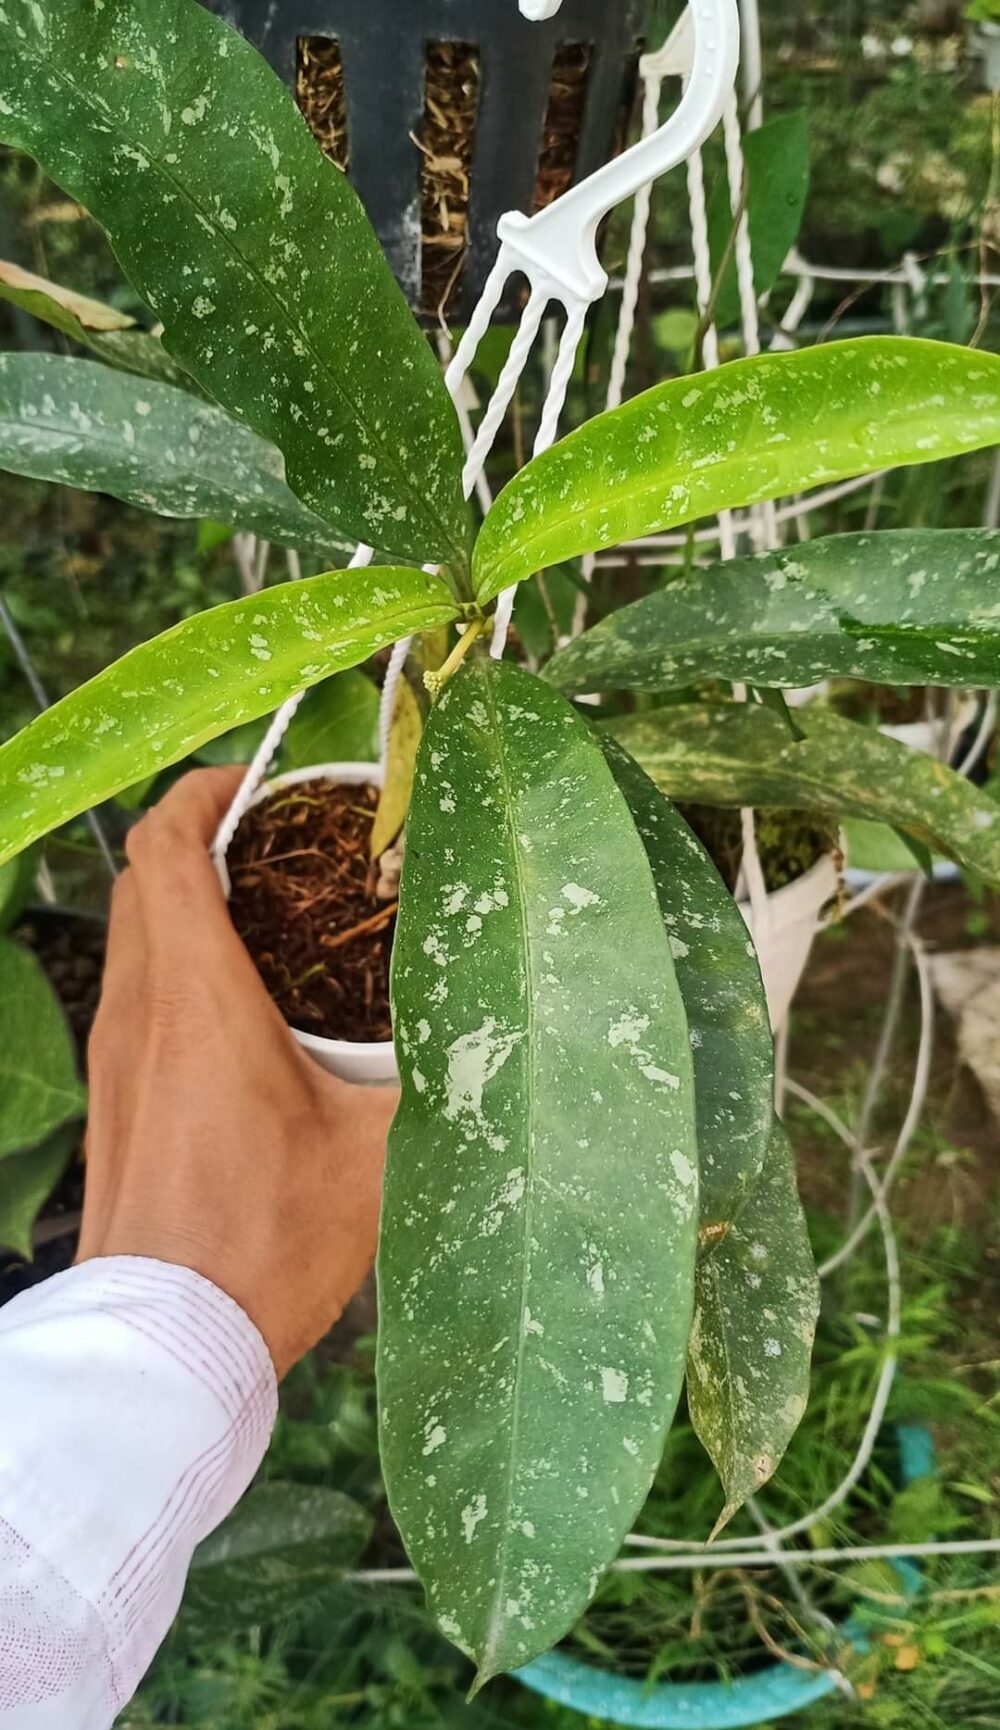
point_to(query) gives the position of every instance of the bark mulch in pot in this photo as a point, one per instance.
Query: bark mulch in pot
(447, 141)
(304, 902)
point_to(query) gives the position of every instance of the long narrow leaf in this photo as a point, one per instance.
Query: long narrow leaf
(719, 978)
(538, 1235)
(251, 249)
(901, 607)
(208, 674)
(737, 754)
(756, 1304)
(149, 444)
(755, 429)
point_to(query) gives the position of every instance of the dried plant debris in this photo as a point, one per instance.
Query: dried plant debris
(447, 142)
(451, 107)
(322, 96)
(304, 902)
(563, 121)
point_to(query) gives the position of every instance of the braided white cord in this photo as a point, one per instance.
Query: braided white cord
(636, 254)
(477, 326)
(652, 92)
(741, 525)
(698, 214)
(507, 383)
(718, 1558)
(752, 871)
(455, 377)
(548, 426)
(268, 748)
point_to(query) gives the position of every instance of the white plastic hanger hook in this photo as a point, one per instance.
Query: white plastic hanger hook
(560, 244)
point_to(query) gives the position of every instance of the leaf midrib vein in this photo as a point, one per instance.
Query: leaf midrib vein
(523, 552)
(494, 1625)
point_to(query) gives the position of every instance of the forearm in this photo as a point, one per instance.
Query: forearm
(138, 1403)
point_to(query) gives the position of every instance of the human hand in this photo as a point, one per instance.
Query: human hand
(214, 1141)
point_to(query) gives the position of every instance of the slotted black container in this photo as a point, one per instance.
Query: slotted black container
(383, 49)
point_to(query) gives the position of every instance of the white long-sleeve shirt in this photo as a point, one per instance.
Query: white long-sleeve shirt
(136, 1404)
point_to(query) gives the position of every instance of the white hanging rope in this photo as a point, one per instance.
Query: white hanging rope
(914, 1112)
(265, 754)
(820, 1557)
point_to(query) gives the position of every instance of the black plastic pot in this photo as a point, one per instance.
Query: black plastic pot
(385, 48)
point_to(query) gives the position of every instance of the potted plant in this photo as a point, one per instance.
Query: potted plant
(577, 1011)
(449, 113)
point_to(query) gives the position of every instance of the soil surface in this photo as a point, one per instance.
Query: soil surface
(303, 900)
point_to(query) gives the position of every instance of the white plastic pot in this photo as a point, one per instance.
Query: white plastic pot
(794, 919)
(370, 1064)
(933, 736)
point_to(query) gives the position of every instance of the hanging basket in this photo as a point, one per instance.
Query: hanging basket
(447, 113)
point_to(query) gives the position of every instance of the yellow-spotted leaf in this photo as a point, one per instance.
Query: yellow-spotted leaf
(737, 754)
(753, 430)
(203, 677)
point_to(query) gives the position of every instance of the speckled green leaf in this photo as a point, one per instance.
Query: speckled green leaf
(81, 424)
(206, 675)
(281, 1546)
(540, 1210)
(755, 429)
(337, 723)
(756, 1304)
(27, 1180)
(38, 1082)
(737, 754)
(250, 248)
(910, 607)
(719, 978)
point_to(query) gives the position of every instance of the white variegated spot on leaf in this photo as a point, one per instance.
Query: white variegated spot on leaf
(738, 754)
(210, 673)
(756, 1306)
(82, 425)
(249, 247)
(908, 606)
(719, 978)
(541, 1200)
(754, 429)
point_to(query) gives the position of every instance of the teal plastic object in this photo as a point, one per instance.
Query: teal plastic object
(771, 1693)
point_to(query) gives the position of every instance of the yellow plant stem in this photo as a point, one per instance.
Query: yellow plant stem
(435, 682)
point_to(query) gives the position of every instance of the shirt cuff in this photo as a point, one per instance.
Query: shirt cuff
(139, 1401)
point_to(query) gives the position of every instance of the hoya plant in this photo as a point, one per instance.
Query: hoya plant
(587, 1194)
